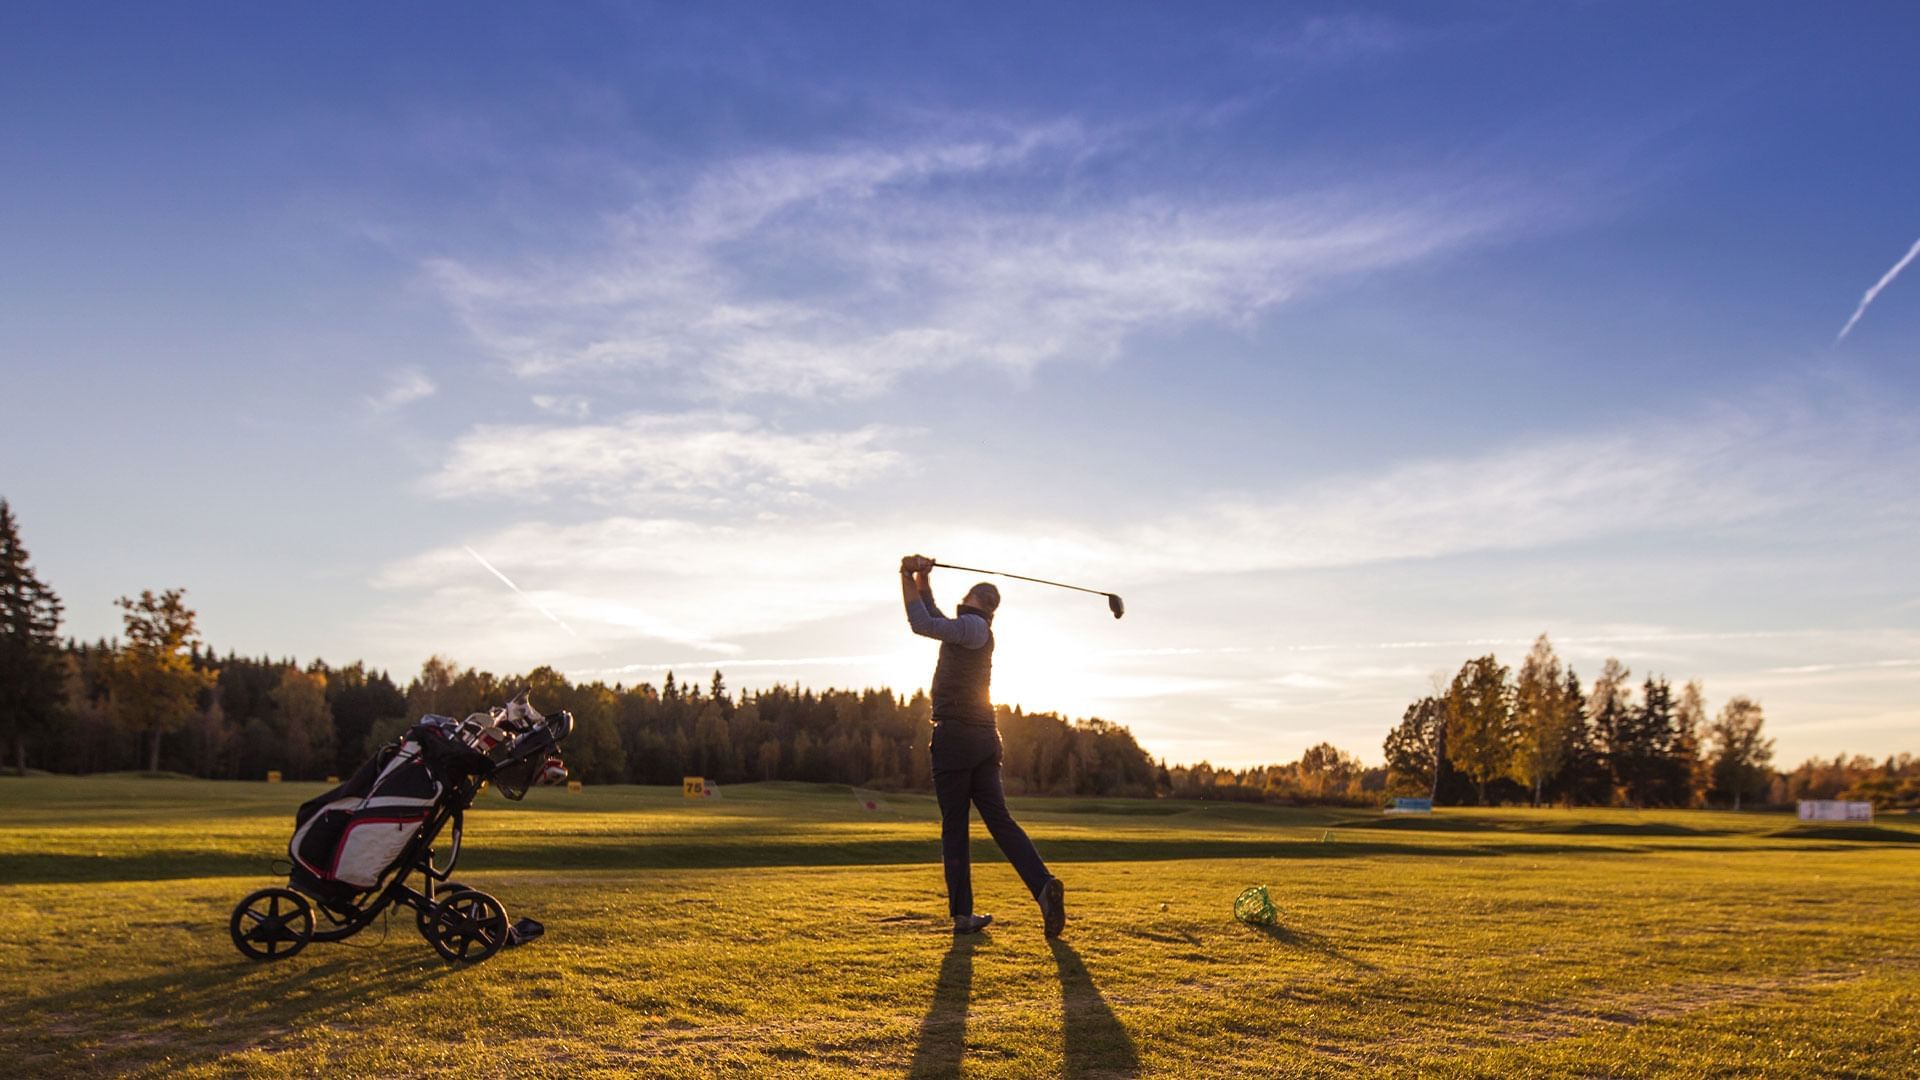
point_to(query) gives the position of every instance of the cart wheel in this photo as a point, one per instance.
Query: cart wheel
(468, 926)
(423, 917)
(271, 924)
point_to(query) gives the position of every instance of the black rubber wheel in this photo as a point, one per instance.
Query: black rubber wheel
(423, 917)
(271, 924)
(468, 927)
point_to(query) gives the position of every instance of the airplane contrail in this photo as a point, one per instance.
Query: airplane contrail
(537, 605)
(1885, 280)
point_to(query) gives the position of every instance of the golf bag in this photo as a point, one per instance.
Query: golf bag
(354, 847)
(346, 840)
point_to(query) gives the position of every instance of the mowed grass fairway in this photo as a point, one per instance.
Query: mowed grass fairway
(785, 930)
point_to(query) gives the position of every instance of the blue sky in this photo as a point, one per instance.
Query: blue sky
(1346, 342)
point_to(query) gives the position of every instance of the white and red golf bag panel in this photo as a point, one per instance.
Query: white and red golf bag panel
(352, 838)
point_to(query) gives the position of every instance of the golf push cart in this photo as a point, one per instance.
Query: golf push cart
(355, 847)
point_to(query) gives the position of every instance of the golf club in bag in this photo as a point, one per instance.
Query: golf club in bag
(1114, 603)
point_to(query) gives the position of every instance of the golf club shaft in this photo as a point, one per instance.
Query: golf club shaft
(1023, 577)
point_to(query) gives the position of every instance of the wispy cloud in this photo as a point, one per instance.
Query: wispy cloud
(733, 663)
(403, 387)
(1856, 666)
(1300, 680)
(571, 406)
(635, 576)
(704, 457)
(1656, 478)
(833, 274)
(1455, 645)
(1328, 40)
(1885, 280)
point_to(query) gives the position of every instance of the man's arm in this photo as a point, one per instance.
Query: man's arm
(923, 584)
(916, 592)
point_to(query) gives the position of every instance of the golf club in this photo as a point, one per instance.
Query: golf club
(1114, 603)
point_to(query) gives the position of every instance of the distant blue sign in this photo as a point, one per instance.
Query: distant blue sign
(1411, 806)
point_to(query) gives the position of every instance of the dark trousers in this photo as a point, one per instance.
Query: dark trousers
(966, 768)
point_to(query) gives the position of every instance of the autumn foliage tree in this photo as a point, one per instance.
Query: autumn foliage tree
(1479, 727)
(303, 722)
(1544, 721)
(155, 685)
(1325, 769)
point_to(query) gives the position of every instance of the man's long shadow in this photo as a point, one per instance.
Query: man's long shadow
(1096, 1043)
(943, 1032)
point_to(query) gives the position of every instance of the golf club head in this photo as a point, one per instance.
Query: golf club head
(1114, 605)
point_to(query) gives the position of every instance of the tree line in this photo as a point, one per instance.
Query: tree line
(1491, 735)
(1324, 775)
(238, 717)
(1495, 735)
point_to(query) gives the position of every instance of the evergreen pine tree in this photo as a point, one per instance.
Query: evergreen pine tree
(1648, 744)
(1584, 780)
(32, 672)
(1610, 716)
(1689, 724)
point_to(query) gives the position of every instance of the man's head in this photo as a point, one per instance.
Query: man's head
(983, 596)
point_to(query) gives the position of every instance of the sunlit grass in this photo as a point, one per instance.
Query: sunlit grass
(785, 930)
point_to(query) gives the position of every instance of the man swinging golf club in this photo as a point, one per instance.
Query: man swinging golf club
(966, 748)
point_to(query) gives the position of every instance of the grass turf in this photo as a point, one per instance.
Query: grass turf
(784, 929)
